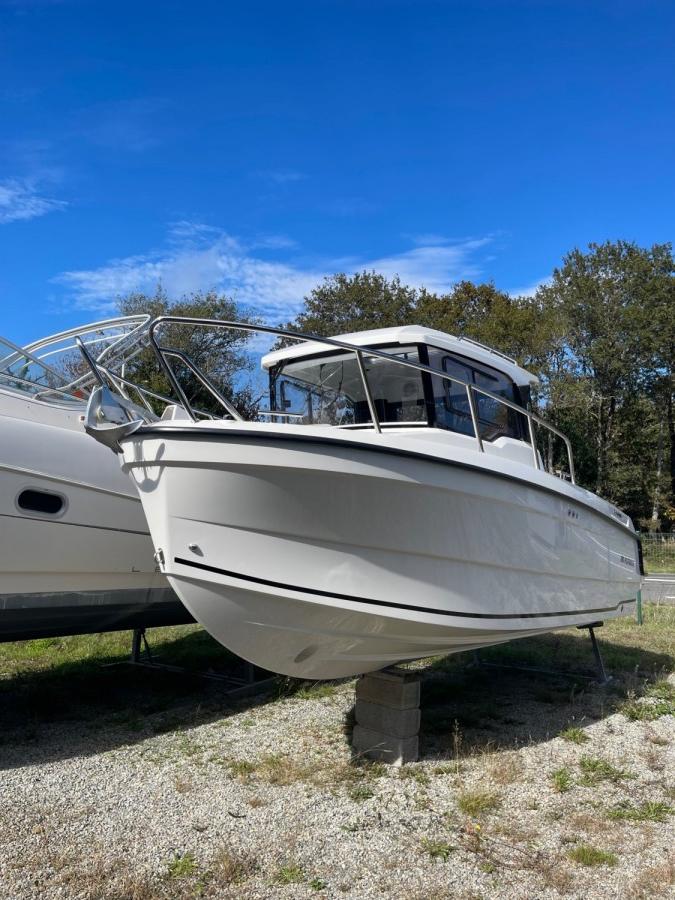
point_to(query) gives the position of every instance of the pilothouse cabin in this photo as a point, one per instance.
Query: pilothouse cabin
(312, 383)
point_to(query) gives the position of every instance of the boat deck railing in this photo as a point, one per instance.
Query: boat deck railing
(166, 354)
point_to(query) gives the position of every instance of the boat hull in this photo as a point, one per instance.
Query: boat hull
(90, 567)
(333, 559)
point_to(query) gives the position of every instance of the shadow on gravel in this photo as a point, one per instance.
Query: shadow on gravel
(468, 707)
(93, 705)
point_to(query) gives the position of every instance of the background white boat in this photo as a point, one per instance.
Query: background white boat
(75, 550)
(326, 550)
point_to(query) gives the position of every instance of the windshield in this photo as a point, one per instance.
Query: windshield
(328, 390)
(21, 371)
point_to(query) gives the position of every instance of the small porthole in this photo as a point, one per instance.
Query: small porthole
(43, 502)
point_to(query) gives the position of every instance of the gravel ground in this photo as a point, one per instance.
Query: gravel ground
(264, 800)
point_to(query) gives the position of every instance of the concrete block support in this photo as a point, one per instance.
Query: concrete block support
(388, 716)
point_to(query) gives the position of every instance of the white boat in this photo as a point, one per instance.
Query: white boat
(75, 550)
(391, 505)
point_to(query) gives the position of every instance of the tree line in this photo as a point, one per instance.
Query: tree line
(599, 334)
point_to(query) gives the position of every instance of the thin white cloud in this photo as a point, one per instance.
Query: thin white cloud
(20, 199)
(531, 289)
(435, 267)
(281, 176)
(202, 258)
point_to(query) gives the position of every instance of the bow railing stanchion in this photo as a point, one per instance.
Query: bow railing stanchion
(570, 457)
(173, 381)
(533, 441)
(206, 382)
(366, 387)
(88, 358)
(474, 417)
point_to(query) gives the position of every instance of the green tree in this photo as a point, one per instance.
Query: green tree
(221, 354)
(344, 303)
(614, 302)
(519, 326)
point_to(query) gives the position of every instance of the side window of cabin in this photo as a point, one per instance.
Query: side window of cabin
(452, 404)
(450, 399)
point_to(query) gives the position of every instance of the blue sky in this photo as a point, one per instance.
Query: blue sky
(256, 146)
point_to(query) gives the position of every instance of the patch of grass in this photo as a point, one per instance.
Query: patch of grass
(488, 867)
(650, 811)
(586, 855)
(642, 711)
(316, 691)
(437, 849)
(241, 768)
(291, 873)
(361, 792)
(476, 803)
(562, 780)
(416, 773)
(662, 690)
(183, 785)
(181, 866)
(454, 768)
(228, 867)
(506, 768)
(596, 770)
(318, 884)
(574, 735)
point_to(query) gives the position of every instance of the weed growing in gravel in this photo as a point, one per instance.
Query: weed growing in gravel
(318, 884)
(361, 792)
(291, 873)
(650, 811)
(241, 768)
(454, 768)
(655, 738)
(506, 768)
(316, 691)
(658, 700)
(228, 867)
(662, 690)
(436, 849)
(586, 855)
(562, 780)
(417, 774)
(575, 735)
(639, 711)
(183, 785)
(475, 803)
(181, 865)
(596, 770)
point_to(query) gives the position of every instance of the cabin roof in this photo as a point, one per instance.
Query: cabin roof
(409, 334)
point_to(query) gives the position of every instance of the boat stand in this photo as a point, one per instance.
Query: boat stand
(601, 678)
(236, 685)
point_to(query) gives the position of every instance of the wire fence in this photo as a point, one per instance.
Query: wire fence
(658, 552)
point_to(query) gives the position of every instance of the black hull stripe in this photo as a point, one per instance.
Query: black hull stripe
(423, 609)
(38, 518)
(221, 434)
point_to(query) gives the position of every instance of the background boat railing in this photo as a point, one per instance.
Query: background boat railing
(165, 353)
(123, 338)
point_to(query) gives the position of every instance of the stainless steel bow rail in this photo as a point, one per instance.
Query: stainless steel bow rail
(165, 353)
